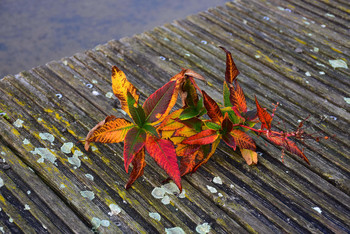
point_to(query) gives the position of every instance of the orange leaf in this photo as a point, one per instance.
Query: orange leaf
(110, 130)
(134, 142)
(213, 110)
(121, 86)
(138, 164)
(169, 123)
(243, 140)
(184, 150)
(163, 152)
(202, 138)
(237, 98)
(264, 117)
(231, 69)
(205, 154)
(250, 156)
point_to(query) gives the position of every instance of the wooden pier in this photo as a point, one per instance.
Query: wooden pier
(292, 52)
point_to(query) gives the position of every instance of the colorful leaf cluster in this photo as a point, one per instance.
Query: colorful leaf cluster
(184, 139)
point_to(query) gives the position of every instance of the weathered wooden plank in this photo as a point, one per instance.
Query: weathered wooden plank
(273, 48)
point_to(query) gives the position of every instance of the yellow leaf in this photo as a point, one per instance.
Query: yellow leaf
(121, 86)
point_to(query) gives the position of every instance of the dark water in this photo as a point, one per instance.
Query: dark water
(35, 32)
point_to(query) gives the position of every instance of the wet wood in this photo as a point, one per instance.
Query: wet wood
(282, 49)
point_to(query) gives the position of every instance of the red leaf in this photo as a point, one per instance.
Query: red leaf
(229, 140)
(288, 145)
(183, 150)
(187, 163)
(134, 141)
(243, 140)
(227, 125)
(203, 138)
(237, 98)
(213, 110)
(160, 102)
(264, 117)
(231, 69)
(110, 130)
(138, 164)
(163, 152)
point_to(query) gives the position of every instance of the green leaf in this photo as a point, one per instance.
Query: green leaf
(193, 123)
(226, 93)
(212, 125)
(160, 102)
(150, 129)
(134, 142)
(136, 111)
(189, 113)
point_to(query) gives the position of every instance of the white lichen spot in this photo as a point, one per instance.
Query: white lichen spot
(266, 18)
(203, 228)
(75, 161)
(306, 81)
(316, 49)
(309, 34)
(3, 153)
(18, 123)
(47, 136)
(158, 192)
(89, 176)
(94, 81)
(105, 223)
(26, 141)
(109, 95)
(320, 64)
(65, 62)
(155, 216)
(94, 148)
(306, 22)
(166, 200)
(220, 195)
(62, 186)
(11, 220)
(40, 119)
(77, 153)
(212, 189)
(1, 182)
(245, 21)
(329, 15)
(67, 147)
(162, 58)
(280, 8)
(232, 186)
(187, 54)
(171, 188)
(257, 56)
(338, 63)
(26, 207)
(88, 194)
(347, 100)
(115, 209)
(323, 25)
(165, 39)
(318, 209)
(45, 153)
(204, 42)
(95, 93)
(321, 72)
(58, 95)
(174, 230)
(89, 86)
(29, 192)
(217, 180)
(2, 230)
(96, 222)
(182, 194)
(307, 73)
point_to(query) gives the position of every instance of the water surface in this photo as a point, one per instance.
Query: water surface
(35, 32)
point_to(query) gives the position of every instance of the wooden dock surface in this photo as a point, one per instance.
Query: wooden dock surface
(284, 51)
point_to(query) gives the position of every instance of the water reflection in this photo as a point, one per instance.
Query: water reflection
(35, 32)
